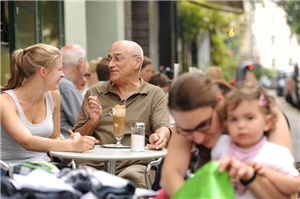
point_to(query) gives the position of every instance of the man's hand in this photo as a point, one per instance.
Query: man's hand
(94, 109)
(159, 139)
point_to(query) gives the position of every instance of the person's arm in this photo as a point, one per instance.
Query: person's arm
(91, 111)
(281, 133)
(160, 121)
(159, 138)
(20, 133)
(71, 101)
(260, 186)
(175, 163)
(285, 183)
(56, 115)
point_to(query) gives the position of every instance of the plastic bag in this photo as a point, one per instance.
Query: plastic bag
(207, 183)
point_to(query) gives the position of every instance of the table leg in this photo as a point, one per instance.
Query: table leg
(106, 166)
(112, 167)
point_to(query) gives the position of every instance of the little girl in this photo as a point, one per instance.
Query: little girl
(249, 117)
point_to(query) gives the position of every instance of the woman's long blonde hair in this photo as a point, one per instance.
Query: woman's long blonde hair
(25, 63)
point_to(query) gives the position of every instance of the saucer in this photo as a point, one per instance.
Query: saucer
(116, 146)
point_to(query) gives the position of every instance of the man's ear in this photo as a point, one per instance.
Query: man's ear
(139, 62)
(269, 122)
(78, 65)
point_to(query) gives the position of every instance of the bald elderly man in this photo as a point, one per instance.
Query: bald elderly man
(144, 103)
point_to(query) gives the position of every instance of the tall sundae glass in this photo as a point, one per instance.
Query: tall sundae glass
(119, 114)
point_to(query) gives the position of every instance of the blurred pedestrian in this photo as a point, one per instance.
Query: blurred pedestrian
(161, 80)
(102, 71)
(92, 70)
(214, 72)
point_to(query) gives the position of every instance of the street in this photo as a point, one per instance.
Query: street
(293, 116)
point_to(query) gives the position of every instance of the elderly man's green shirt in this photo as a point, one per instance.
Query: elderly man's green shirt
(148, 105)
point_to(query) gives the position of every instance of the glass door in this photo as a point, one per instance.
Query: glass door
(24, 23)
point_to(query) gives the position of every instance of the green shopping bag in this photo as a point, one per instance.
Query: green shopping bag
(207, 183)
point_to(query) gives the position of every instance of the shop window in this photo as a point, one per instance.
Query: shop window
(24, 23)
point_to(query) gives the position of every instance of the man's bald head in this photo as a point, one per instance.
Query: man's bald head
(130, 47)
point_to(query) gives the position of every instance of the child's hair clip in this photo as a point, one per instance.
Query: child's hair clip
(261, 101)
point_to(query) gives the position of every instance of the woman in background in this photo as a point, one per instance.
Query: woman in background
(146, 70)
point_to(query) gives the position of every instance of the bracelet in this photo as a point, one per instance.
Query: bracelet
(246, 182)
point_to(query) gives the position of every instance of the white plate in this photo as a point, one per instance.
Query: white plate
(116, 146)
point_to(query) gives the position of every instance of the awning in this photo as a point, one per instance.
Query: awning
(232, 4)
(225, 6)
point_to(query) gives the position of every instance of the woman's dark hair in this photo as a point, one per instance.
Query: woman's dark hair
(159, 79)
(102, 70)
(192, 90)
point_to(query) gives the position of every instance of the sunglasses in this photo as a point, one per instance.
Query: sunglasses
(87, 75)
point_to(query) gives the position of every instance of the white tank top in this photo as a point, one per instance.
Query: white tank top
(11, 151)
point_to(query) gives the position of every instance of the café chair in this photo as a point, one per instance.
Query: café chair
(4, 168)
(297, 165)
(148, 169)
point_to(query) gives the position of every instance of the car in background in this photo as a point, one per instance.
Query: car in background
(280, 80)
(265, 81)
(292, 87)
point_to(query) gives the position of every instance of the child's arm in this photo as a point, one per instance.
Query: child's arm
(261, 187)
(285, 183)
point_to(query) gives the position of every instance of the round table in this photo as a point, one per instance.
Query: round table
(110, 155)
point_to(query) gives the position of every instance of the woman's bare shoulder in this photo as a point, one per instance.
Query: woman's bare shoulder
(7, 100)
(55, 96)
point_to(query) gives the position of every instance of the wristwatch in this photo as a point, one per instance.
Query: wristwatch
(246, 182)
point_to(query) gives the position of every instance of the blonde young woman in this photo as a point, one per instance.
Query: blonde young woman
(30, 107)
(194, 101)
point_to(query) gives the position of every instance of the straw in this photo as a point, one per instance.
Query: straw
(70, 131)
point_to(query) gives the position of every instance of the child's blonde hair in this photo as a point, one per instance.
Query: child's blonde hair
(247, 92)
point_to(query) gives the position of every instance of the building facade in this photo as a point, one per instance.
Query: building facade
(94, 25)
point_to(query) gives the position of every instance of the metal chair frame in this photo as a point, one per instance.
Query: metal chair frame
(148, 169)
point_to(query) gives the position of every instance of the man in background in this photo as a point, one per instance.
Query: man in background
(74, 65)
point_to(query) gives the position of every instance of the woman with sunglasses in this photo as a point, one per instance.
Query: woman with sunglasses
(195, 101)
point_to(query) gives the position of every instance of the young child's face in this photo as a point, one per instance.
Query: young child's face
(246, 124)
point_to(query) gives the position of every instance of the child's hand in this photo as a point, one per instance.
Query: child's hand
(260, 169)
(236, 169)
